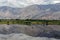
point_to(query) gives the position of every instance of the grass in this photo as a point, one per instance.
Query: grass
(29, 21)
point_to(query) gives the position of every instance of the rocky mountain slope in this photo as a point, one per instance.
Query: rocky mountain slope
(51, 11)
(9, 12)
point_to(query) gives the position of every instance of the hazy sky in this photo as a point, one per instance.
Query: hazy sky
(22, 3)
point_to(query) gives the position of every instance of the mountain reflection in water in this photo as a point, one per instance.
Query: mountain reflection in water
(29, 32)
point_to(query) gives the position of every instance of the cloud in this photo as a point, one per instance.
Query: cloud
(56, 1)
(23, 3)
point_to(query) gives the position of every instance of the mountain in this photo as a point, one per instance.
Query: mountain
(9, 12)
(51, 11)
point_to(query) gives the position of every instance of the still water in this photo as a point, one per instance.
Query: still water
(29, 32)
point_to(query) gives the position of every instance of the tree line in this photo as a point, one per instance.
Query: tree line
(29, 21)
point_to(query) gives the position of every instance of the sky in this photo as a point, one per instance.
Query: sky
(24, 3)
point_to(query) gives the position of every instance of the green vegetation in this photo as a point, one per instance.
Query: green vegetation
(29, 21)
